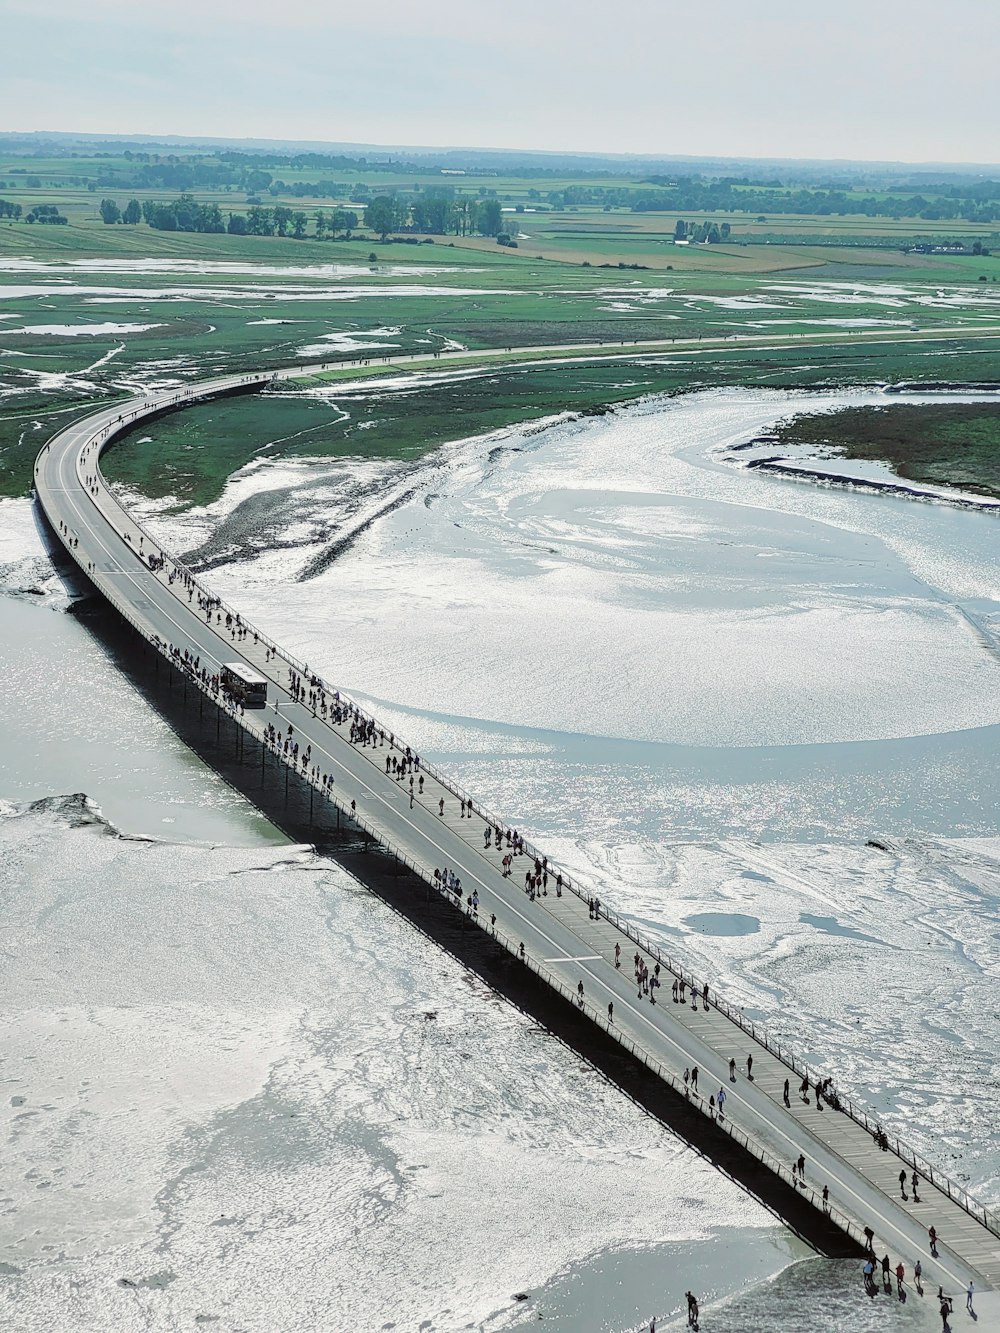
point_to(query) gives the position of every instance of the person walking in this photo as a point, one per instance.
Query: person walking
(826, 1198)
(932, 1237)
(900, 1274)
(732, 1069)
(914, 1182)
(918, 1270)
(694, 1078)
(720, 1100)
(969, 1293)
(886, 1280)
(611, 1011)
(750, 1068)
(787, 1102)
(902, 1185)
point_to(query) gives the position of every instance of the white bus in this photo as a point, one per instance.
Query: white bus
(245, 685)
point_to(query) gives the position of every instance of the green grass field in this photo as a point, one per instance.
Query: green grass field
(570, 236)
(92, 311)
(190, 456)
(951, 444)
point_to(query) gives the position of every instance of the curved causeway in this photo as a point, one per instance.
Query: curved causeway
(440, 826)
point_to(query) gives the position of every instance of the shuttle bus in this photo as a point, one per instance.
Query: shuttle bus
(244, 684)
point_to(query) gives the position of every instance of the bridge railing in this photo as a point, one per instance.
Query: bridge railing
(758, 1033)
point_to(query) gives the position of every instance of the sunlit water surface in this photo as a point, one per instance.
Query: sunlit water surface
(702, 688)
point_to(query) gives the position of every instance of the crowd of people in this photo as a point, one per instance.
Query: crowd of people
(404, 766)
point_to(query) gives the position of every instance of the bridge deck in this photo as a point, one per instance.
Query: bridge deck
(562, 940)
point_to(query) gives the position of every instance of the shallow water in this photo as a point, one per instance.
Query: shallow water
(78, 726)
(236, 1081)
(672, 672)
(303, 1137)
(678, 646)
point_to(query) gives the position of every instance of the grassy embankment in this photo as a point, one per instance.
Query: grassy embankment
(947, 444)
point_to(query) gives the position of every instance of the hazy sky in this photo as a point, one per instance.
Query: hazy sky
(914, 80)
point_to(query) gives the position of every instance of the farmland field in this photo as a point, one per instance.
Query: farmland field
(89, 309)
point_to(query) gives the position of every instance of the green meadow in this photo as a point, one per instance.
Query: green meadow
(947, 444)
(189, 457)
(90, 311)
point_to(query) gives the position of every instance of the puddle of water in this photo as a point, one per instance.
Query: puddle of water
(723, 923)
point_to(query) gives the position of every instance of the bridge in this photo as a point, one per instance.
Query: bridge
(587, 957)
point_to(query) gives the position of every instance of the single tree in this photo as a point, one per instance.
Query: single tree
(110, 212)
(489, 217)
(133, 213)
(344, 220)
(260, 222)
(383, 215)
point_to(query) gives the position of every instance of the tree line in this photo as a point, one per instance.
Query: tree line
(978, 202)
(702, 233)
(186, 214)
(432, 215)
(723, 197)
(47, 214)
(233, 170)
